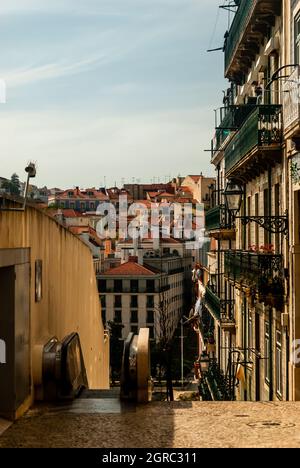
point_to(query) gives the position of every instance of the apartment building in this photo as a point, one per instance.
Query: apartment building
(79, 200)
(289, 76)
(248, 289)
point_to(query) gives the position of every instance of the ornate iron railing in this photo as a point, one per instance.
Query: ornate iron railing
(217, 383)
(231, 118)
(218, 218)
(222, 309)
(261, 273)
(262, 128)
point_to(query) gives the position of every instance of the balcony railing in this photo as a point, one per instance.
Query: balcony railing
(222, 310)
(263, 128)
(253, 19)
(231, 118)
(237, 29)
(218, 385)
(218, 218)
(260, 273)
(291, 102)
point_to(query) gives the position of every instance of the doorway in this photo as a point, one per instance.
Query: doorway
(14, 331)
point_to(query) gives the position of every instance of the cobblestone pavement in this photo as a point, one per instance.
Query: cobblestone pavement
(158, 425)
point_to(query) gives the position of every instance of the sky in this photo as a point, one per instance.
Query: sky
(100, 92)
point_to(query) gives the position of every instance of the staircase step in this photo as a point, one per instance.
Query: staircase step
(113, 393)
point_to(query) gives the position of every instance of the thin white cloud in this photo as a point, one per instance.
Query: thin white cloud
(33, 74)
(72, 148)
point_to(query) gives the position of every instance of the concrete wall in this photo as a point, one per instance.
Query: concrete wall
(70, 301)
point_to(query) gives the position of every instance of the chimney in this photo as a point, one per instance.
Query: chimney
(133, 259)
(141, 257)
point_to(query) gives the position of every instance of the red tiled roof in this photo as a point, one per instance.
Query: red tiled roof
(76, 193)
(131, 269)
(166, 194)
(78, 229)
(71, 214)
(97, 194)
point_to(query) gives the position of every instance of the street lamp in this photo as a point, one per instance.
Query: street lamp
(233, 195)
(233, 198)
(31, 174)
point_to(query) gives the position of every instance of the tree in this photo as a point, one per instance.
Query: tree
(15, 186)
(164, 345)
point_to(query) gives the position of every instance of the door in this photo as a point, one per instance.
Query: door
(14, 338)
(257, 360)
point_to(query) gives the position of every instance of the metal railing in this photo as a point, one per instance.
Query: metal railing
(237, 29)
(231, 118)
(218, 218)
(261, 272)
(222, 310)
(262, 128)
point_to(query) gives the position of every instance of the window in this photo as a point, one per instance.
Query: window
(150, 316)
(102, 286)
(118, 316)
(134, 302)
(250, 336)
(266, 213)
(134, 286)
(134, 329)
(103, 301)
(250, 224)
(103, 314)
(118, 286)
(267, 352)
(82, 205)
(277, 213)
(297, 38)
(134, 317)
(118, 301)
(278, 363)
(150, 302)
(151, 333)
(150, 286)
(70, 194)
(92, 205)
(72, 205)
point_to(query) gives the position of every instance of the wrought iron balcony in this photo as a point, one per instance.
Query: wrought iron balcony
(253, 20)
(222, 310)
(261, 132)
(231, 118)
(217, 384)
(261, 274)
(218, 222)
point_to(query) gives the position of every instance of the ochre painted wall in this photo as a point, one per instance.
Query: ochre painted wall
(70, 300)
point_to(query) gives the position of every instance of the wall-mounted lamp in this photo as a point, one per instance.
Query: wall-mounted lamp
(233, 198)
(233, 201)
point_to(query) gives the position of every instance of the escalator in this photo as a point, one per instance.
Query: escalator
(65, 379)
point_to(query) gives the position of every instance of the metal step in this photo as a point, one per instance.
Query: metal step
(113, 393)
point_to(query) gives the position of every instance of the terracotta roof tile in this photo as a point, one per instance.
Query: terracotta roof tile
(131, 269)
